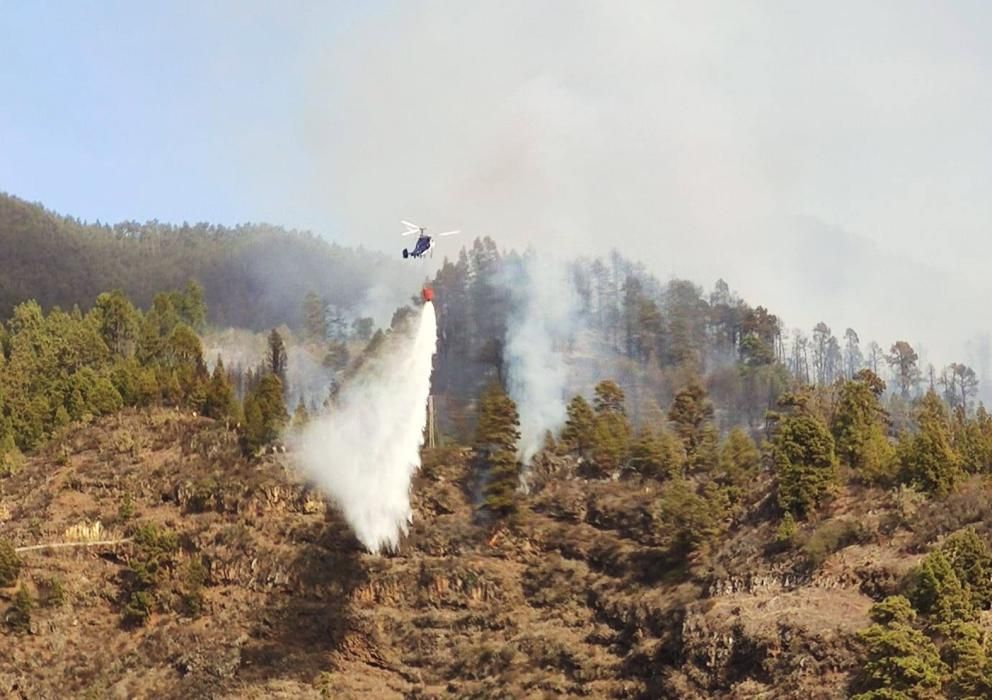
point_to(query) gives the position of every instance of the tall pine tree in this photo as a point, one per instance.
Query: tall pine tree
(496, 437)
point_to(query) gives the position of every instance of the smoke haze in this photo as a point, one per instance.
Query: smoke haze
(365, 450)
(830, 161)
(813, 157)
(541, 322)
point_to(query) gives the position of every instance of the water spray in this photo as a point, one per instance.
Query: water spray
(365, 450)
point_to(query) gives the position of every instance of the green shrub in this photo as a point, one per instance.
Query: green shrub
(971, 560)
(10, 564)
(53, 593)
(137, 609)
(194, 578)
(125, 511)
(11, 457)
(155, 551)
(18, 616)
(786, 532)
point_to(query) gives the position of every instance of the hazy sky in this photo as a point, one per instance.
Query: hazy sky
(830, 160)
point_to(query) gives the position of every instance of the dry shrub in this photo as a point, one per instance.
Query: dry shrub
(124, 442)
(18, 616)
(972, 503)
(832, 536)
(484, 660)
(85, 532)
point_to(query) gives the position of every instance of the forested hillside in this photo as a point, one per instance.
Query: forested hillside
(253, 275)
(725, 509)
(653, 336)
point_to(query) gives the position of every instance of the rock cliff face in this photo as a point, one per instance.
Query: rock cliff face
(575, 601)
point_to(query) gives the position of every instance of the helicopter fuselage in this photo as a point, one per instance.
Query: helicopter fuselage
(422, 246)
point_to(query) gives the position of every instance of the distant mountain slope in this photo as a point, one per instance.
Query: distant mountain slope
(254, 275)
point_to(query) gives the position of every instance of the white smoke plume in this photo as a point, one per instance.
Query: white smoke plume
(540, 326)
(306, 378)
(364, 452)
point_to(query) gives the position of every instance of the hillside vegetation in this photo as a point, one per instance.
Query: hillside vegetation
(239, 580)
(253, 275)
(722, 514)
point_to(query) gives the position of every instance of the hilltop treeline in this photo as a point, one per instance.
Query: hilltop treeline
(653, 337)
(253, 276)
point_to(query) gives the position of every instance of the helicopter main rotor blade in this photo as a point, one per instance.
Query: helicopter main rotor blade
(407, 233)
(409, 225)
(449, 233)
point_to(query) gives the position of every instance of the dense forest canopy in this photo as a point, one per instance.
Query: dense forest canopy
(619, 320)
(653, 337)
(253, 275)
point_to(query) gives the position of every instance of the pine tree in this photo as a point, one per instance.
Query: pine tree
(219, 402)
(183, 349)
(609, 398)
(119, 322)
(611, 431)
(363, 328)
(104, 398)
(691, 414)
(125, 376)
(969, 556)
(926, 458)
(684, 520)
(336, 358)
(253, 430)
(170, 387)
(496, 437)
(148, 387)
(655, 454)
(579, 425)
(900, 661)
(300, 416)
(972, 440)
(314, 318)
(739, 463)
(903, 361)
(269, 397)
(191, 307)
(803, 454)
(966, 653)
(858, 430)
(935, 590)
(275, 359)
(10, 455)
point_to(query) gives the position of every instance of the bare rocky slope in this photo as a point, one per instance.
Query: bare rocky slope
(574, 601)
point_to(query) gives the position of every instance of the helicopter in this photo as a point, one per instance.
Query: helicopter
(424, 242)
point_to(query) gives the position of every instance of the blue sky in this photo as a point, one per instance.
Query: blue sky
(121, 110)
